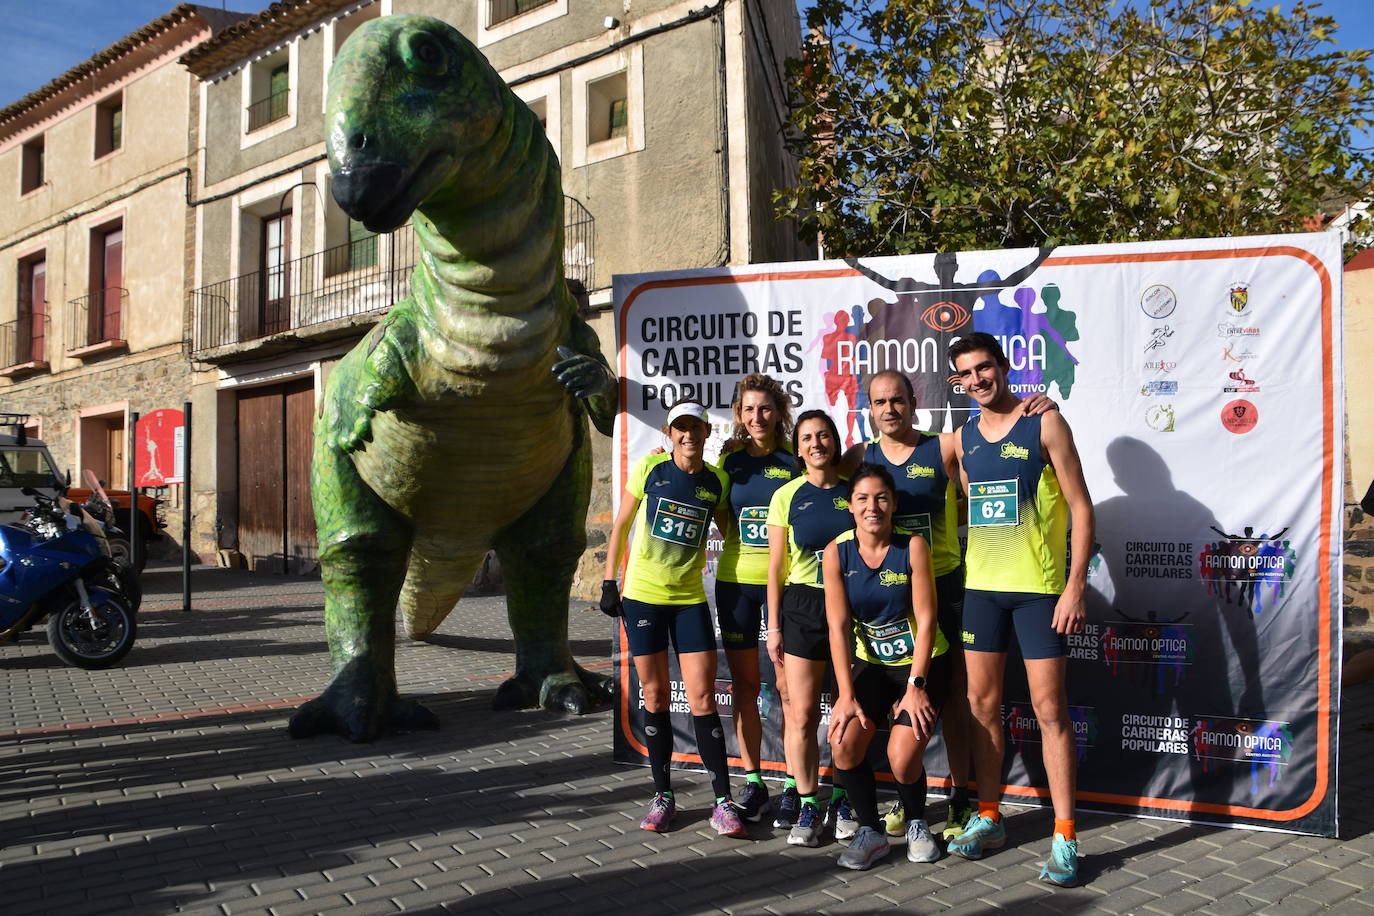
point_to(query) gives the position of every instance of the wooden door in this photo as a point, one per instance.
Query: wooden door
(33, 305)
(115, 471)
(276, 527)
(112, 297)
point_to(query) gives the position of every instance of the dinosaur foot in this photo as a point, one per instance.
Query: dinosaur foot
(574, 692)
(358, 717)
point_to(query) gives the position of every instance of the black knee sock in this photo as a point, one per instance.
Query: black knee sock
(658, 738)
(711, 747)
(959, 799)
(863, 793)
(913, 796)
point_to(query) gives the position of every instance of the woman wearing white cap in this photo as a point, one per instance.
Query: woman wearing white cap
(671, 497)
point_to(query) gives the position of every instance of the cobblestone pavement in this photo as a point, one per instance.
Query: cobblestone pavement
(169, 784)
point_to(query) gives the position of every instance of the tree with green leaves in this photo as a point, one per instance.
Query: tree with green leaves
(957, 124)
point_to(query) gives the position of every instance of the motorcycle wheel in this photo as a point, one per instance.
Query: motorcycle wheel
(84, 643)
(123, 582)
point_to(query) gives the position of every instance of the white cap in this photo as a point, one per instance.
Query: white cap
(688, 409)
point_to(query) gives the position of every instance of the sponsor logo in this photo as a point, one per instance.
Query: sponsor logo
(1239, 298)
(1162, 366)
(1012, 450)
(1241, 568)
(1159, 337)
(1161, 418)
(1239, 416)
(705, 495)
(774, 473)
(1022, 727)
(1266, 745)
(966, 636)
(841, 503)
(1158, 301)
(850, 572)
(802, 507)
(1230, 330)
(1238, 352)
(918, 470)
(887, 577)
(1240, 382)
(643, 622)
(1163, 386)
(1151, 653)
(661, 483)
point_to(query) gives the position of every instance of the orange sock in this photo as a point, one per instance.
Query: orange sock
(1065, 828)
(989, 809)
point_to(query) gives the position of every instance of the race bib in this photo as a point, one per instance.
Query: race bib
(992, 503)
(820, 566)
(678, 524)
(889, 642)
(753, 526)
(916, 523)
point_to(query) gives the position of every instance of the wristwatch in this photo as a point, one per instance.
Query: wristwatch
(917, 681)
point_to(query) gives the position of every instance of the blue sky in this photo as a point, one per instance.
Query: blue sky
(48, 37)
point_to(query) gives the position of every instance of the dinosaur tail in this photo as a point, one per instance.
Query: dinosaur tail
(435, 580)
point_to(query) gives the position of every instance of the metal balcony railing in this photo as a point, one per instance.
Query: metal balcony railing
(579, 242)
(265, 111)
(24, 340)
(359, 277)
(97, 318)
(501, 10)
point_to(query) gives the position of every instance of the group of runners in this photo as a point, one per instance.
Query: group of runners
(849, 561)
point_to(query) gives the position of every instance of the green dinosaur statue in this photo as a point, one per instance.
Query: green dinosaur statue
(459, 423)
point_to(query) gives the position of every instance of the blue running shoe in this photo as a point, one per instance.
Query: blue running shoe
(841, 820)
(807, 830)
(789, 805)
(981, 834)
(753, 802)
(1061, 867)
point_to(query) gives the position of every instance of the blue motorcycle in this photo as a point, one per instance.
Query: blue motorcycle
(55, 564)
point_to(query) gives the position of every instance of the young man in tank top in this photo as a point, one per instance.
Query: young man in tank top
(1024, 484)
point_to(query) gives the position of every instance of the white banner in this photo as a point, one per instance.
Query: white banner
(1203, 383)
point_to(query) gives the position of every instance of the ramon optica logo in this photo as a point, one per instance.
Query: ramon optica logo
(1241, 568)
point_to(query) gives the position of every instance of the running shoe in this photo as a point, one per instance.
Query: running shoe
(841, 820)
(725, 818)
(894, 821)
(867, 847)
(1061, 867)
(920, 846)
(661, 811)
(807, 830)
(753, 802)
(981, 834)
(956, 821)
(788, 807)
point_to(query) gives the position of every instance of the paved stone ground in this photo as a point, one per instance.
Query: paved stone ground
(169, 784)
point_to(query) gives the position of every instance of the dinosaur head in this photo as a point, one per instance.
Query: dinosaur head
(409, 99)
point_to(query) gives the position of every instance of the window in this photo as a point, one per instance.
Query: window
(26, 467)
(348, 243)
(32, 326)
(608, 107)
(542, 97)
(33, 175)
(274, 297)
(104, 306)
(269, 90)
(347, 25)
(109, 126)
(501, 10)
(498, 19)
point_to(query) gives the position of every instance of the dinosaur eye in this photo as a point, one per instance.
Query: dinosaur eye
(945, 316)
(423, 55)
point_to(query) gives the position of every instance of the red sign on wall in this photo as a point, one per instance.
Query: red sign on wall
(161, 455)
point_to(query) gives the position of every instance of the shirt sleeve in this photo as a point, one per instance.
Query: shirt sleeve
(780, 505)
(639, 474)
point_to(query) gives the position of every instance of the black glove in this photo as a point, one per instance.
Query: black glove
(610, 598)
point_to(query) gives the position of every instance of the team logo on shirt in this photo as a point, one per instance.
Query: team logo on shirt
(914, 471)
(841, 503)
(1012, 450)
(775, 473)
(705, 495)
(888, 577)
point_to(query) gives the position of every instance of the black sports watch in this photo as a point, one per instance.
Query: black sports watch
(917, 681)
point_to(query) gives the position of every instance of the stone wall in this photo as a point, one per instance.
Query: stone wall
(1359, 451)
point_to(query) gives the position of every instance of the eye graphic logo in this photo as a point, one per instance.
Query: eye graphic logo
(945, 316)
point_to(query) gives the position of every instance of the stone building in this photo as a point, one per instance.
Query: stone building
(666, 116)
(95, 176)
